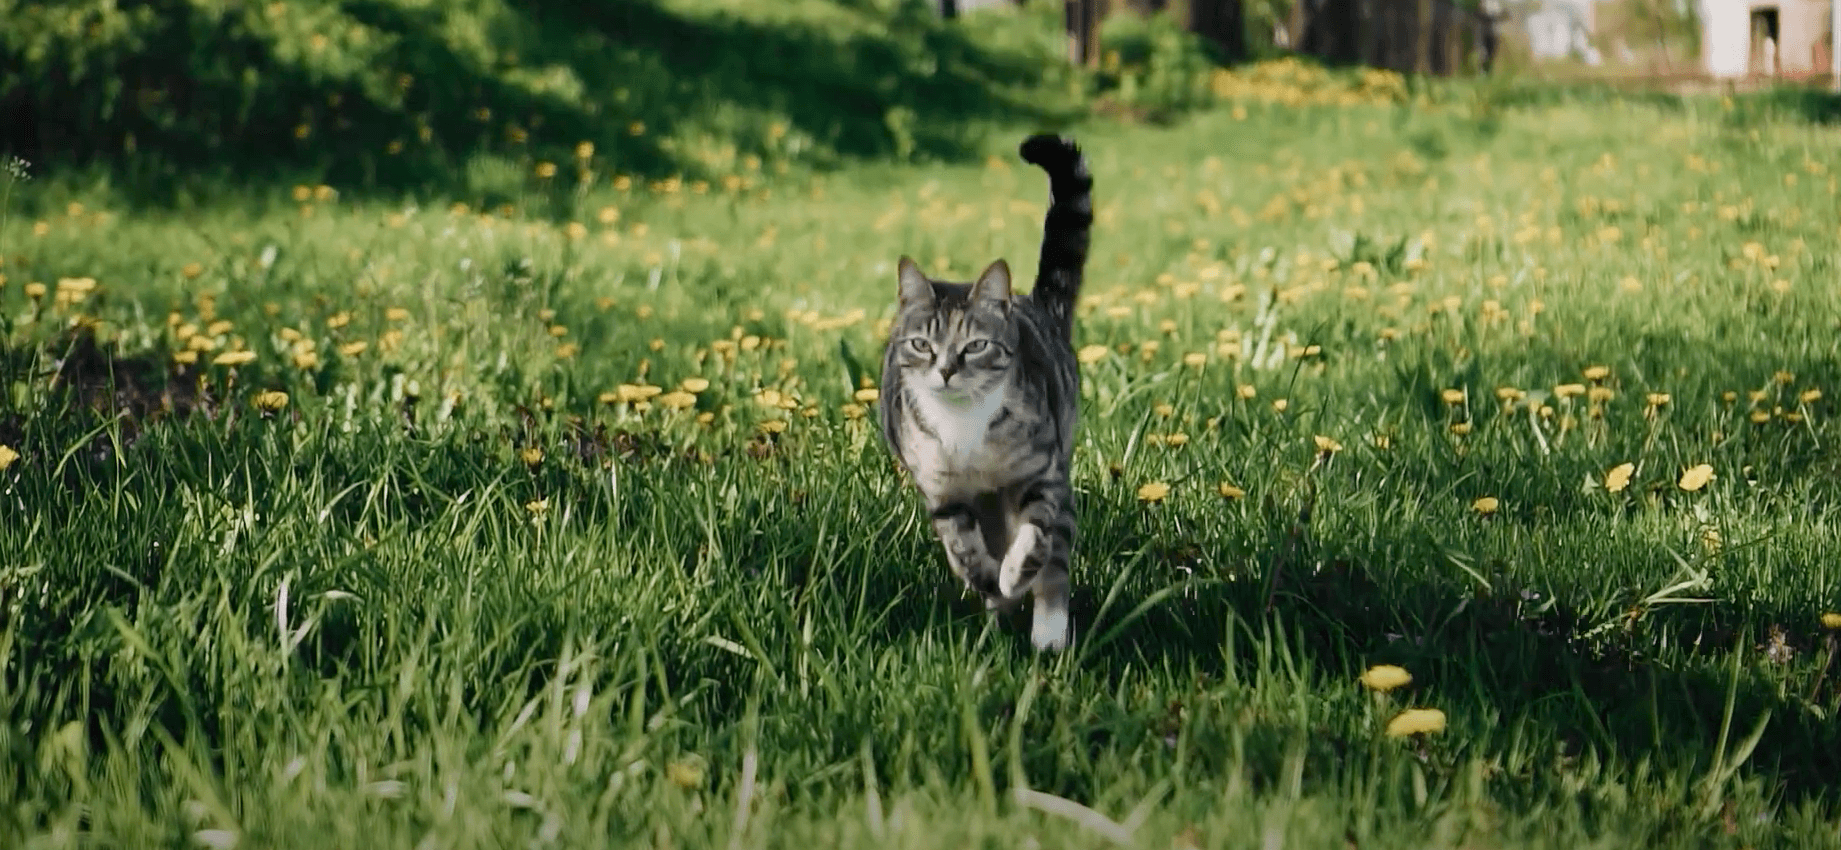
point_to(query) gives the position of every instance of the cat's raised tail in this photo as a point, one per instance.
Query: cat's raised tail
(1066, 228)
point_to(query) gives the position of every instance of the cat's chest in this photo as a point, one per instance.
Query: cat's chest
(958, 443)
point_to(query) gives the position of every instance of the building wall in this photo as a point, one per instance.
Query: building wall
(1803, 26)
(1725, 37)
(1802, 30)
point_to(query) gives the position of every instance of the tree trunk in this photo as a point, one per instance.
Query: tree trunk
(1083, 17)
(1221, 22)
(949, 9)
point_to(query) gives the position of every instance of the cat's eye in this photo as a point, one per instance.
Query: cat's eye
(976, 346)
(919, 345)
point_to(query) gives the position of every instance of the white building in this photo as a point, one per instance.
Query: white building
(1561, 29)
(1787, 38)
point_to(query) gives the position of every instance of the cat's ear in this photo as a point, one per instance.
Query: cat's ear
(994, 284)
(916, 289)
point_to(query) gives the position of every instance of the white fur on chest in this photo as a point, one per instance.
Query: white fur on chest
(961, 454)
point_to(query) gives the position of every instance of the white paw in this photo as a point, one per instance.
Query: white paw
(1050, 630)
(1010, 573)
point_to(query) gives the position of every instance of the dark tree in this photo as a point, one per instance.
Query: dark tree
(1083, 17)
(1220, 22)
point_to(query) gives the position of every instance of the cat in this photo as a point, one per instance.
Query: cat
(980, 393)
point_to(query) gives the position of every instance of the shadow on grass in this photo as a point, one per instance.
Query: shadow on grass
(213, 101)
(1647, 686)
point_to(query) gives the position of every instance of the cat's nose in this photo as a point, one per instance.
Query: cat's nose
(946, 373)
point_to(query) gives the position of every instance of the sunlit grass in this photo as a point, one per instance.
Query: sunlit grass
(568, 524)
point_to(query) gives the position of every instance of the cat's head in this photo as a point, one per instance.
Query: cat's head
(956, 340)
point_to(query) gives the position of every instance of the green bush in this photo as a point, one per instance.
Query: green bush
(402, 93)
(1151, 64)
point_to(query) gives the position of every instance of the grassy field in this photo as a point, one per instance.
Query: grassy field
(565, 523)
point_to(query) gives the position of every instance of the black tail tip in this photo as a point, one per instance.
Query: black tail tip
(1051, 152)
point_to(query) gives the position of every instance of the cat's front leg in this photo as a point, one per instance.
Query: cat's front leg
(956, 524)
(1037, 559)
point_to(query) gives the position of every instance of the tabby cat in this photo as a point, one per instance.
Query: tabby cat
(979, 397)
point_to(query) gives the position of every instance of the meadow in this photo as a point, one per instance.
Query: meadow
(559, 519)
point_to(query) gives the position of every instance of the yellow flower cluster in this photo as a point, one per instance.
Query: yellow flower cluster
(1294, 82)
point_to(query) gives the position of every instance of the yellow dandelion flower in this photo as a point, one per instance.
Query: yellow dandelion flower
(1195, 359)
(685, 773)
(1177, 439)
(1783, 377)
(270, 401)
(1809, 395)
(1658, 399)
(1246, 391)
(854, 411)
(1092, 354)
(637, 392)
(575, 230)
(338, 320)
(1165, 410)
(35, 290)
(1619, 477)
(186, 357)
(1486, 505)
(531, 455)
(1510, 395)
(7, 456)
(546, 170)
(1325, 444)
(1696, 477)
(868, 395)
(1416, 721)
(608, 215)
(234, 358)
(1229, 491)
(679, 400)
(1386, 677)
(567, 350)
(192, 270)
(1599, 395)
(537, 507)
(1280, 404)
(1153, 492)
(772, 426)
(1452, 396)
(694, 385)
(584, 150)
(353, 349)
(1830, 620)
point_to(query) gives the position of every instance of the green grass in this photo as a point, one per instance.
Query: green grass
(378, 618)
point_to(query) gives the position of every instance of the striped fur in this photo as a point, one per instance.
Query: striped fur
(980, 394)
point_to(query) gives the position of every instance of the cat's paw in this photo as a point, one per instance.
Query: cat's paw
(1051, 630)
(1013, 577)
